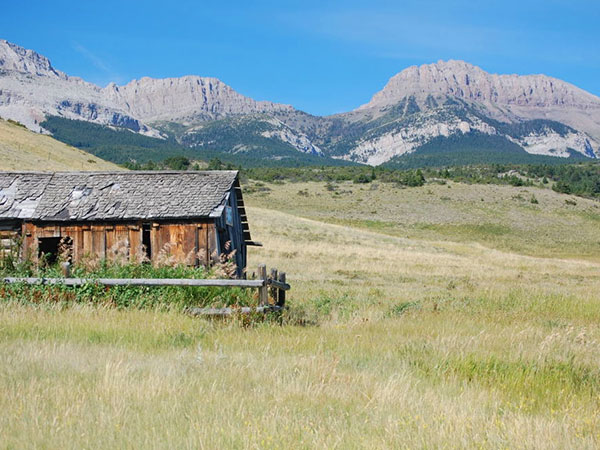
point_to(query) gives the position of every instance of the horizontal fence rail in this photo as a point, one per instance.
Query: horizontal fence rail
(140, 282)
(275, 284)
(216, 312)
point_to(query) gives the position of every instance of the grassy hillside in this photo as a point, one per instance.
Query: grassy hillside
(527, 220)
(21, 149)
(436, 319)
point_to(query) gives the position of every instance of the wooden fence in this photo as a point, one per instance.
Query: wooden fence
(273, 286)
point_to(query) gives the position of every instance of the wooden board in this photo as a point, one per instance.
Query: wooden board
(98, 247)
(76, 234)
(117, 243)
(136, 252)
(138, 282)
(212, 243)
(29, 250)
(88, 245)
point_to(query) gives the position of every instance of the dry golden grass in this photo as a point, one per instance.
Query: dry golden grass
(421, 343)
(21, 149)
(326, 258)
(498, 216)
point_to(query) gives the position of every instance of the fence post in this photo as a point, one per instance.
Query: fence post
(66, 269)
(273, 290)
(281, 292)
(263, 292)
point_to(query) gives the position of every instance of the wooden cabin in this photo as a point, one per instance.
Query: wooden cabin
(193, 217)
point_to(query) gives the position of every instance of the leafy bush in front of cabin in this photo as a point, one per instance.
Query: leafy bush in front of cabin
(161, 297)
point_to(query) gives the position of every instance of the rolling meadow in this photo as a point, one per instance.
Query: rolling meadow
(441, 316)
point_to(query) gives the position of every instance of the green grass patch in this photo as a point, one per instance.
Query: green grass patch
(484, 231)
(533, 386)
(138, 297)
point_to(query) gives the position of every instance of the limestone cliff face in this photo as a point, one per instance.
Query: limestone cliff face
(189, 98)
(30, 88)
(169, 99)
(465, 81)
(18, 59)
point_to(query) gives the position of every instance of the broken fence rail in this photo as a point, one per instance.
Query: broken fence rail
(276, 283)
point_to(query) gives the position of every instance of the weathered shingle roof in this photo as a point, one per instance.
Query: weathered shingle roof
(89, 196)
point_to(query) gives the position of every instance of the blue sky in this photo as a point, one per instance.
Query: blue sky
(321, 56)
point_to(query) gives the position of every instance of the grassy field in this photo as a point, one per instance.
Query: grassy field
(526, 220)
(21, 149)
(434, 320)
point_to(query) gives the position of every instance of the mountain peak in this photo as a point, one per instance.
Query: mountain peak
(455, 78)
(14, 58)
(189, 97)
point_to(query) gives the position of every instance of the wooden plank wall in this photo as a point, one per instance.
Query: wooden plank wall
(29, 241)
(172, 243)
(187, 243)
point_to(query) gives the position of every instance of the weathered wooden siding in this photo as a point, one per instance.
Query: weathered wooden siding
(29, 241)
(186, 243)
(198, 242)
(77, 234)
(190, 243)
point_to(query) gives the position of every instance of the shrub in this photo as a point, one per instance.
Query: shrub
(562, 187)
(400, 308)
(363, 178)
(162, 297)
(177, 163)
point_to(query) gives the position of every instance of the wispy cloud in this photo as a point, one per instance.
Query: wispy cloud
(108, 74)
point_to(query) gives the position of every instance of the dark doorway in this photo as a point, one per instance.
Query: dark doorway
(48, 249)
(147, 241)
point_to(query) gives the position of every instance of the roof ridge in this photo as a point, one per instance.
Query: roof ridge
(114, 172)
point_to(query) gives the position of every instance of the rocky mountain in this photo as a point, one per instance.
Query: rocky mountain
(188, 99)
(31, 89)
(467, 82)
(543, 115)
(448, 105)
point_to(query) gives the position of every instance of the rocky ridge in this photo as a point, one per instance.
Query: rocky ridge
(470, 83)
(542, 115)
(188, 98)
(31, 88)
(433, 91)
